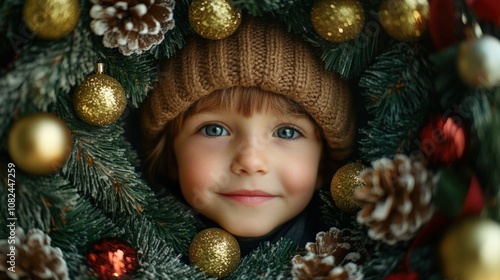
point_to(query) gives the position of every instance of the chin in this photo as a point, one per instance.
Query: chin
(247, 231)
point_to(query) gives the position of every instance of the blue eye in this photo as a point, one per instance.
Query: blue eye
(214, 130)
(286, 133)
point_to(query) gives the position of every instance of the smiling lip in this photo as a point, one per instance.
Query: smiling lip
(249, 197)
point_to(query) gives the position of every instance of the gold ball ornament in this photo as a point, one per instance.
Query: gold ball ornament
(471, 250)
(345, 181)
(337, 20)
(215, 252)
(39, 143)
(478, 62)
(404, 20)
(51, 19)
(100, 99)
(213, 19)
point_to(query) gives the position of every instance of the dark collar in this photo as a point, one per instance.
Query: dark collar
(296, 230)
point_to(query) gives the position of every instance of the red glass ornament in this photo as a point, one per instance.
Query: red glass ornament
(442, 141)
(112, 258)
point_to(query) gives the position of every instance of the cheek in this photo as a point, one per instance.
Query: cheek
(194, 187)
(199, 175)
(299, 176)
(191, 169)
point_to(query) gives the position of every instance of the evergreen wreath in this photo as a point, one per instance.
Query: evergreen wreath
(100, 193)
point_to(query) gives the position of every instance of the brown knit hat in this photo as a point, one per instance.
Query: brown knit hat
(263, 55)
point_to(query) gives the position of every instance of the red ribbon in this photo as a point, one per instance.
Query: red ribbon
(442, 19)
(403, 276)
(488, 10)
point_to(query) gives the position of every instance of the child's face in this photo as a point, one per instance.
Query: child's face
(248, 174)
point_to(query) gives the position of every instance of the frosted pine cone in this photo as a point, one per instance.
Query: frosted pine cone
(133, 26)
(34, 258)
(336, 255)
(396, 198)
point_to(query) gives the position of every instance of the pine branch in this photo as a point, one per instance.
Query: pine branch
(84, 225)
(41, 202)
(135, 73)
(259, 7)
(397, 93)
(269, 261)
(382, 140)
(349, 59)
(486, 147)
(174, 38)
(99, 168)
(174, 223)
(333, 216)
(425, 262)
(449, 87)
(157, 257)
(11, 15)
(78, 270)
(397, 84)
(384, 261)
(44, 70)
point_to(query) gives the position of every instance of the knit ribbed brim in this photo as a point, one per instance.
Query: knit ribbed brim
(259, 54)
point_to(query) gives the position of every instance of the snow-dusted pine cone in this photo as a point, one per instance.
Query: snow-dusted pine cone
(133, 26)
(396, 198)
(34, 257)
(336, 255)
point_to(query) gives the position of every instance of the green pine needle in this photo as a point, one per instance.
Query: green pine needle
(259, 7)
(382, 140)
(397, 89)
(41, 201)
(83, 225)
(333, 216)
(174, 38)
(135, 73)
(384, 261)
(44, 71)
(172, 221)
(397, 84)
(98, 165)
(269, 261)
(157, 257)
(486, 147)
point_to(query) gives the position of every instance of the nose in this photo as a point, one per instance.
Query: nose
(250, 159)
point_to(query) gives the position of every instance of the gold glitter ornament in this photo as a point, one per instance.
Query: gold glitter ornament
(100, 99)
(213, 19)
(404, 20)
(470, 250)
(215, 252)
(337, 20)
(39, 143)
(51, 19)
(343, 184)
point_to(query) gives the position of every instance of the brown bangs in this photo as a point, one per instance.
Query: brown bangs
(247, 101)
